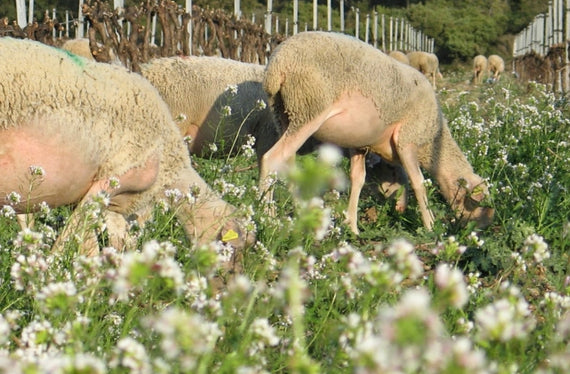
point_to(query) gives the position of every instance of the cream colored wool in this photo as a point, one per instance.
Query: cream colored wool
(479, 68)
(496, 66)
(400, 56)
(106, 117)
(310, 72)
(196, 91)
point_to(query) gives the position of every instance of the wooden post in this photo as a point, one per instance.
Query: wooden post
(79, 33)
(315, 14)
(31, 12)
(53, 18)
(189, 11)
(237, 8)
(341, 15)
(268, 18)
(329, 15)
(21, 13)
(295, 17)
(357, 24)
(67, 23)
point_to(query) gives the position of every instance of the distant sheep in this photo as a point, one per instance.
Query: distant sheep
(479, 68)
(94, 128)
(427, 63)
(496, 66)
(215, 101)
(400, 56)
(377, 105)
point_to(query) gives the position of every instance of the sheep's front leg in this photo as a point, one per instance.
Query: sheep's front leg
(409, 159)
(283, 152)
(357, 177)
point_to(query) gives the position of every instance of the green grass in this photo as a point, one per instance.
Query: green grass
(312, 296)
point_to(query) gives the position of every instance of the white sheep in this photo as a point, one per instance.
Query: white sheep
(343, 91)
(496, 66)
(215, 100)
(479, 68)
(94, 128)
(400, 56)
(427, 63)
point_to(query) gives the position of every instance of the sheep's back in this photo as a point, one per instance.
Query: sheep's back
(118, 112)
(310, 70)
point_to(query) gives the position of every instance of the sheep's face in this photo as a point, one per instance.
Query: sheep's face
(471, 203)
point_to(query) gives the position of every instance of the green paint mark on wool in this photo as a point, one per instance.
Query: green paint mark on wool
(78, 60)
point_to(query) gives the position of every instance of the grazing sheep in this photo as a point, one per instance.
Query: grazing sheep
(196, 90)
(427, 63)
(496, 66)
(400, 56)
(216, 100)
(479, 68)
(89, 125)
(343, 91)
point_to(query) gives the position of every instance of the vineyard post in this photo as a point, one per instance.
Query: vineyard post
(268, 19)
(31, 12)
(21, 13)
(53, 18)
(295, 17)
(329, 15)
(315, 14)
(341, 15)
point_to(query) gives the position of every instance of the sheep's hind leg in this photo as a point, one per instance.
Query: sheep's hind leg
(283, 152)
(357, 177)
(409, 159)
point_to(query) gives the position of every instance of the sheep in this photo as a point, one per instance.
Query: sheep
(82, 48)
(479, 68)
(343, 91)
(217, 101)
(93, 128)
(400, 56)
(427, 63)
(196, 90)
(496, 66)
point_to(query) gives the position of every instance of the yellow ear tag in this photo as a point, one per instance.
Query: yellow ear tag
(230, 235)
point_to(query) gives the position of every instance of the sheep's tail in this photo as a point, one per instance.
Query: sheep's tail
(273, 81)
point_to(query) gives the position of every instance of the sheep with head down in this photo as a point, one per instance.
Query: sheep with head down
(479, 68)
(215, 100)
(343, 91)
(496, 66)
(427, 63)
(199, 90)
(95, 128)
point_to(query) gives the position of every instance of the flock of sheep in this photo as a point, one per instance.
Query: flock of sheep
(95, 127)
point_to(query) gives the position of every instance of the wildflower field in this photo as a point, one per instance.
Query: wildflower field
(309, 296)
